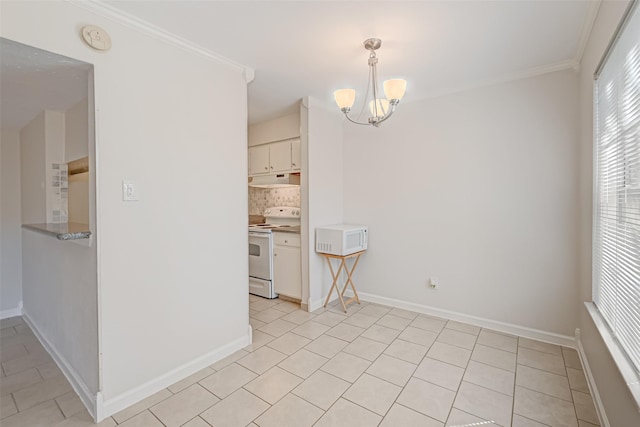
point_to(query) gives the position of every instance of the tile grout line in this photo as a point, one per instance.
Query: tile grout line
(359, 376)
(461, 380)
(395, 401)
(515, 382)
(156, 417)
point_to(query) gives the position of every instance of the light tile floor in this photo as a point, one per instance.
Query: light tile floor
(374, 366)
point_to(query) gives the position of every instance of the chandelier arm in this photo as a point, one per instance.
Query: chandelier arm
(366, 95)
(346, 114)
(386, 116)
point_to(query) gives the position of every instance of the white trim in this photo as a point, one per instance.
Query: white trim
(99, 415)
(82, 390)
(113, 13)
(11, 312)
(509, 328)
(569, 64)
(124, 400)
(602, 415)
(628, 372)
(319, 303)
(314, 305)
(587, 27)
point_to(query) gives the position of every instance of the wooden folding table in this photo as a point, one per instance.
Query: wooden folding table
(336, 274)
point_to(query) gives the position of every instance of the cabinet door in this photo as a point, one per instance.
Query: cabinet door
(259, 159)
(295, 155)
(280, 156)
(287, 275)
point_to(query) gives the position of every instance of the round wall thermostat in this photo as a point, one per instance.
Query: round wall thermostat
(96, 38)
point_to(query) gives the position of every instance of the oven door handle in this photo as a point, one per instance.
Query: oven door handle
(259, 235)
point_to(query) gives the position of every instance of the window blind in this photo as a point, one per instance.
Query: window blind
(616, 234)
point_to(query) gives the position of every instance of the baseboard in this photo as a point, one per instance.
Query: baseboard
(508, 328)
(115, 404)
(319, 303)
(12, 312)
(79, 386)
(314, 305)
(602, 415)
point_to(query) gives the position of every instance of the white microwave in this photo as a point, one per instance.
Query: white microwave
(342, 239)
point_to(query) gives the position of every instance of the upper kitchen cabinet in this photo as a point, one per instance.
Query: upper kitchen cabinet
(274, 145)
(276, 157)
(295, 155)
(259, 160)
(280, 156)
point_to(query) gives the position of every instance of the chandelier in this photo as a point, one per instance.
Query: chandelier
(381, 108)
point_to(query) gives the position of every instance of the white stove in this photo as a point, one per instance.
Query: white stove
(261, 248)
(277, 217)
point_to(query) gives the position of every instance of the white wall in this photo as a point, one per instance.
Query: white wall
(321, 192)
(278, 129)
(76, 131)
(479, 190)
(60, 301)
(33, 171)
(617, 400)
(10, 222)
(169, 274)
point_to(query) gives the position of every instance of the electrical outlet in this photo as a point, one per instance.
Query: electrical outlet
(433, 282)
(129, 191)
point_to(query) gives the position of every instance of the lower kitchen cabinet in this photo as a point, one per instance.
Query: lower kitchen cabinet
(287, 273)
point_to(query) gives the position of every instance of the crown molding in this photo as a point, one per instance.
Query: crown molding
(107, 11)
(587, 27)
(568, 64)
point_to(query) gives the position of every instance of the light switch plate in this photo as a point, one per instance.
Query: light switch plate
(129, 191)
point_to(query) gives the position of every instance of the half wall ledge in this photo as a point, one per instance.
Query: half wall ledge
(63, 231)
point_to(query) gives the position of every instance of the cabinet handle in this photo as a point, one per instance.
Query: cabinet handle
(266, 168)
(293, 164)
(271, 167)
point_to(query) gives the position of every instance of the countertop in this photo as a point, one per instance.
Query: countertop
(64, 231)
(256, 219)
(293, 230)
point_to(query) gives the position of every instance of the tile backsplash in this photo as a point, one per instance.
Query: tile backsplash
(263, 198)
(58, 194)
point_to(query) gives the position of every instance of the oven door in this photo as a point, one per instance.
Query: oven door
(260, 256)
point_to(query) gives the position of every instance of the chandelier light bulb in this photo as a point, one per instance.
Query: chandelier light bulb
(395, 88)
(345, 98)
(382, 107)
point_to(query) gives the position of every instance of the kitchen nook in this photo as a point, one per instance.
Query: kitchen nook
(274, 163)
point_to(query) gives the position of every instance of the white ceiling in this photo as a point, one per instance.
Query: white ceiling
(299, 48)
(32, 80)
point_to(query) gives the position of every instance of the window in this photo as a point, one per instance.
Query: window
(616, 234)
